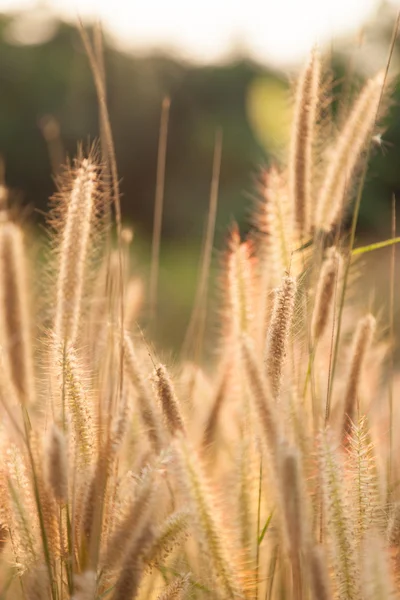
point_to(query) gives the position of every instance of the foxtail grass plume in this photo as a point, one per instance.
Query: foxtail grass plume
(346, 152)
(74, 250)
(168, 536)
(361, 343)
(15, 323)
(176, 590)
(278, 332)
(302, 139)
(169, 401)
(240, 286)
(273, 220)
(339, 524)
(364, 485)
(324, 294)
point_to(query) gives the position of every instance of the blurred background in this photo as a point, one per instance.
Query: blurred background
(227, 65)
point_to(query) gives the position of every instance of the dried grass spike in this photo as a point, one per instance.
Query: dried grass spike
(262, 396)
(74, 250)
(301, 152)
(361, 343)
(148, 410)
(176, 589)
(15, 325)
(319, 575)
(57, 465)
(325, 294)
(240, 287)
(338, 522)
(350, 143)
(169, 401)
(128, 582)
(278, 332)
(169, 535)
(273, 221)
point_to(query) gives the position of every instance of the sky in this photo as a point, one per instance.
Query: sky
(275, 31)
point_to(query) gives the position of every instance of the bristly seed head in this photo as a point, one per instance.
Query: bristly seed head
(278, 332)
(73, 251)
(169, 401)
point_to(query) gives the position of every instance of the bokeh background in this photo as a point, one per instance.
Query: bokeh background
(223, 65)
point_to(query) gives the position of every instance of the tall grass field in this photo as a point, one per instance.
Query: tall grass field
(265, 469)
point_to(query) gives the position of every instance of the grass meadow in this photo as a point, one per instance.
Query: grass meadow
(263, 466)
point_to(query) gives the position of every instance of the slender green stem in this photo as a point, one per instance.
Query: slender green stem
(391, 365)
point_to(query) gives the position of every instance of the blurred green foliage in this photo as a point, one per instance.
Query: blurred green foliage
(243, 98)
(248, 101)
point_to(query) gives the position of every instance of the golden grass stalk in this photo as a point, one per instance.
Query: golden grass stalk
(318, 574)
(129, 579)
(133, 522)
(262, 396)
(220, 396)
(148, 410)
(324, 294)
(278, 332)
(15, 325)
(349, 145)
(74, 250)
(294, 514)
(210, 531)
(293, 501)
(361, 343)
(302, 139)
(57, 465)
(168, 400)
